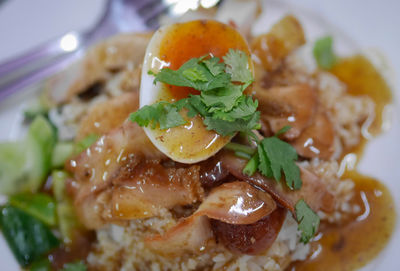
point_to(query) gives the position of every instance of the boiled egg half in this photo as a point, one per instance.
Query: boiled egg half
(171, 46)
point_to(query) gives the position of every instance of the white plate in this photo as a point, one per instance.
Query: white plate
(366, 24)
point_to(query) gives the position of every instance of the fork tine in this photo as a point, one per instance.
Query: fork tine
(148, 6)
(155, 13)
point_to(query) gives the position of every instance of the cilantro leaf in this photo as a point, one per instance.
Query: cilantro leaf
(283, 130)
(308, 221)
(196, 106)
(170, 117)
(193, 74)
(214, 66)
(281, 156)
(323, 53)
(245, 108)
(238, 66)
(226, 128)
(264, 165)
(224, 98)
(162, 113)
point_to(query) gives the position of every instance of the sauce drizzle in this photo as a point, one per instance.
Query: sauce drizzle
(361, 237)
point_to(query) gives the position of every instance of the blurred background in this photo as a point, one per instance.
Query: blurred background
(26, 23)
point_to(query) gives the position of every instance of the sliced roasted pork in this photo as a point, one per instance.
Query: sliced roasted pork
(95, 168)
(235, 203)
(121, 52)
(271, 48)
(293, 106)
(251, 238)
(143, 191)
(317, 140)
(110, 114)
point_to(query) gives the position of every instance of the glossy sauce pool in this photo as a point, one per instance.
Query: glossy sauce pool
(363, 236)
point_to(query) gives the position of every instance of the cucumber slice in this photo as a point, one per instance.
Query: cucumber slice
(59, 177)
(62, 151)
(41, 265)
(75, 266)
(41, 206)
(67, 219)
(25, 165)
(28, 238)
(13, 173)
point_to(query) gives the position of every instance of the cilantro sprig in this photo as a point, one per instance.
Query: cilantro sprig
(222, 103)
(308, 221)
(275, 156)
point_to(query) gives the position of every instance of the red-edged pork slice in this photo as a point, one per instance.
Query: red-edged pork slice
(252, 238)
(313, 191)
(236, 202)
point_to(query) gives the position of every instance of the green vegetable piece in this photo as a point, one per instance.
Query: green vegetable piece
(323, 53)
(283, 130)
(25, 165)
(227, 128)
(238, 66)
(162, 113)
(40, 206)
(240, 148)
(181, 76)
(214, 66)
(251, 166)
(35, 110)
(243, 155)
(264, 165)
(59, 177)
(61, 152)
(170, 118)
(194, 74)
(14, 172)
(76, 266)
(66, 215)
(41, 265)
(40, 143)
(222, 98)
(281, 156)
(85, 143)
(28, 238)
(308, 221)
(245, 108)
(67, 220)
(39, 106)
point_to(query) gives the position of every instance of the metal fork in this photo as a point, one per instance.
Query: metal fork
(47, 59)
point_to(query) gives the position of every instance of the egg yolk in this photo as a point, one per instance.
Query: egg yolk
(195, 39)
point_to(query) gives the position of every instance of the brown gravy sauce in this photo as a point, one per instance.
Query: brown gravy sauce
(363, 236)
